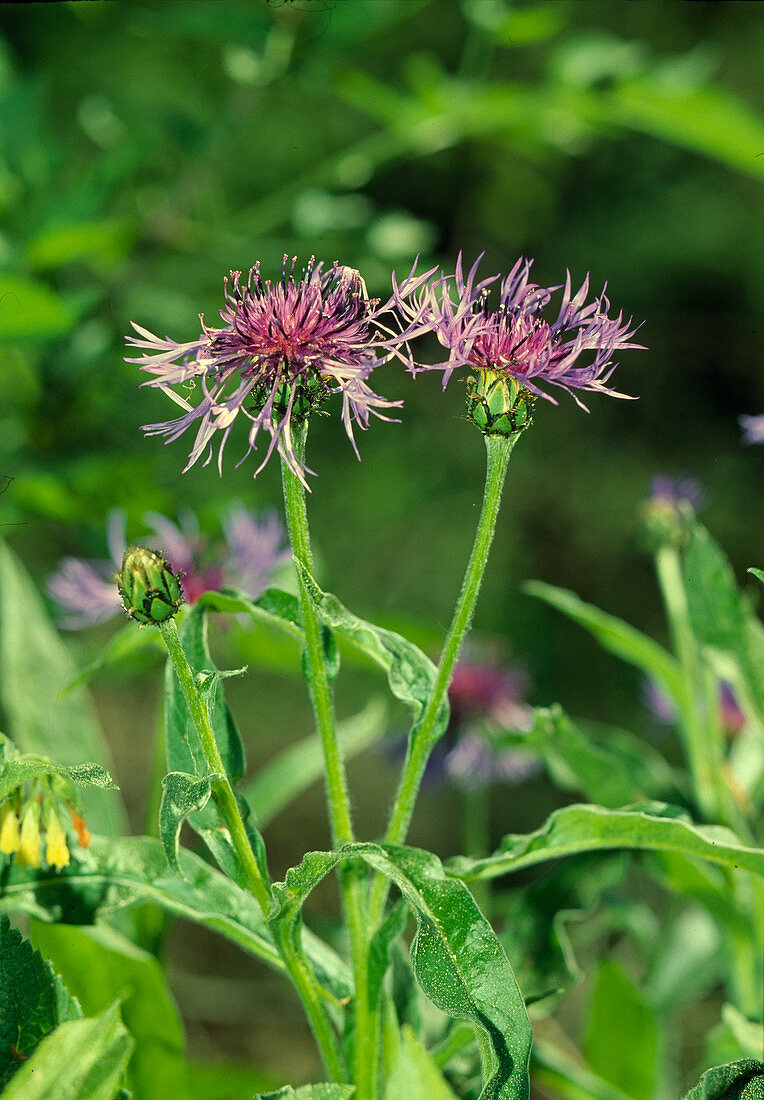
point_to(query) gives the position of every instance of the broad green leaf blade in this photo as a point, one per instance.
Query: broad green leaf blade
(457, 958)
(21, 768)
(274, 607)
(574, 829)
(414, 1073)
(721, 615)
(286, 777)
(615, 636)
(225, 1081)
(743, 1080)
(182, 795)
(40, 717)
(102, 244)
(309, 1092)
(99, 965)
(29, 310)
(622, 1038)
(410, 673)
(184, 750)
(117, 874)
(33, 1000)
(81, 1058)
(617, 770)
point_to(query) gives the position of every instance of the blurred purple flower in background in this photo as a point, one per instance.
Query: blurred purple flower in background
(676, 491)
(284, 347)
(663, 710)
(753, 428)
(575, 351)
(250, 551)
(483, 695)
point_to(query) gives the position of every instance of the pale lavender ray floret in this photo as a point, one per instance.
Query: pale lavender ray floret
(283, 346)
(753, 428)
(574, 352)
(85, 590)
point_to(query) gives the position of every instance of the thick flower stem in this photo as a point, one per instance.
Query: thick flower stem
(499, 449)
(222, 793)
(225, 800)
(365, 1052)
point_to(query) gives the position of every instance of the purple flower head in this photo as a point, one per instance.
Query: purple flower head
(677, 492)
(483, 693)
(575, 351)
(250, 551)
(283, 349)
(753, 428)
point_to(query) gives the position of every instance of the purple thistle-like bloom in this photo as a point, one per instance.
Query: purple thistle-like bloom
(677, 492)
(575, 351)
(753, 428)
(251, 550)
(283, 348)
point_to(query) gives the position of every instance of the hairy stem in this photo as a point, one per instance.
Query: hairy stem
(423, 737)
(351, 878)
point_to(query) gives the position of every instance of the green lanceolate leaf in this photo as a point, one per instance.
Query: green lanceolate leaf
(184, 751)
(410, 673)
(457, 958)
(622, 1037)
(117, 874)
(414, 1073)
(721, 614)
(309, 1092)
(568, 1077)
(33, 1000)
(612, 771)
(615, 636)
(284, 778)
(98, 965)
(743, 1080)
(18, 768)
(81, 1058)
(575, 829)
(182, 795)
(758, 573)
(40, 717)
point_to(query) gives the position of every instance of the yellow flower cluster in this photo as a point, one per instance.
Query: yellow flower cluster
(20, 833)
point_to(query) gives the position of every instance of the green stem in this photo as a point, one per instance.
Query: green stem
(365, 1047)
(701, 741)
(499, 448)
(222, 792)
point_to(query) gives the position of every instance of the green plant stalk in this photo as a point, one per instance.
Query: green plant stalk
(702, 747)
(365, 1047)
(499, 448)
(222, 793)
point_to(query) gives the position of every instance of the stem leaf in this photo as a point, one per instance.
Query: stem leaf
(117, 874)
(654, 826)
(182, 795)
(615, 636)
(457, 958)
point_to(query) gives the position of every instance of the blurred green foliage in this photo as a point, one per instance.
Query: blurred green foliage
(147, 148)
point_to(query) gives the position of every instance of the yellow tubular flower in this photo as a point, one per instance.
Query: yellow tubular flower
(56, 850)
(9, 830)
(29, 844)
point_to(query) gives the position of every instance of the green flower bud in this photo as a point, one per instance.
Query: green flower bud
(498, 404)
(150, 591)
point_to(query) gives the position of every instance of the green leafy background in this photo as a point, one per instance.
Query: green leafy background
(146, 149)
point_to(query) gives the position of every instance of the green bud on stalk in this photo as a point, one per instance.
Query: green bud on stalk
(497, 403)
(150, 591)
